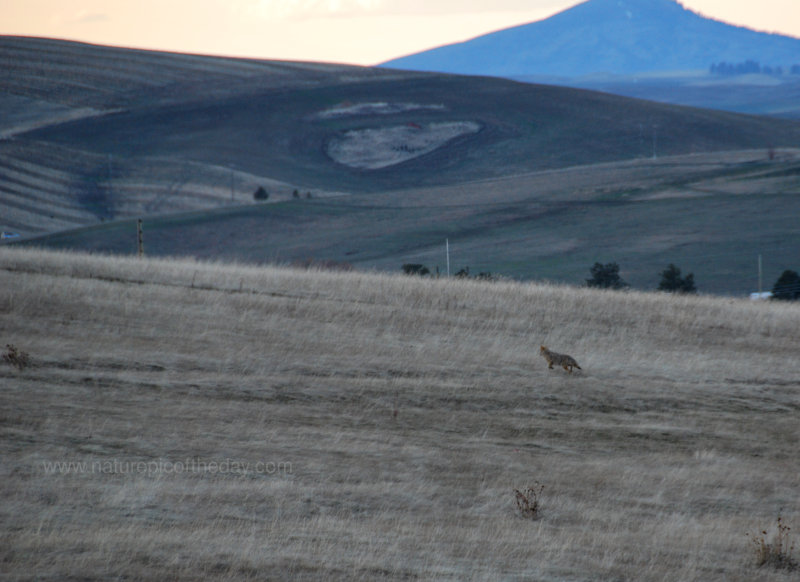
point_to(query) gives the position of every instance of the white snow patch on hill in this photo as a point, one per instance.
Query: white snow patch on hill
(376, 148)
(374, 108)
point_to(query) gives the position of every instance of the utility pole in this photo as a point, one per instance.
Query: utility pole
(108, 181)
(447, 248)
(759, 276)
(655, 156)
(140, 238)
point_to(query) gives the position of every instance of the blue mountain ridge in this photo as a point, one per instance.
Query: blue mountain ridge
(620, 37)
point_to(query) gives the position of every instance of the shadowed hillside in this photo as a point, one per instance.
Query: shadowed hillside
(154, 132)
(47, 186)
(97, 136)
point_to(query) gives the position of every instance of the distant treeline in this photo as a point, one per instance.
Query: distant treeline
(749, 67)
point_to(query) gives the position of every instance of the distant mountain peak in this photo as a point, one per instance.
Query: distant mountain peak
(623, 37)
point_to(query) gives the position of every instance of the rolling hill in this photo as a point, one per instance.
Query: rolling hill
(376, 167)
(653, 49)
(623, 37)
(50, 186)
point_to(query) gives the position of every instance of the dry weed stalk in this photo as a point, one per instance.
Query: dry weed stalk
(528, 500)
(16, 358)
(776, 552)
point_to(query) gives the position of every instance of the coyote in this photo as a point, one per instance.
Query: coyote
(563, 360)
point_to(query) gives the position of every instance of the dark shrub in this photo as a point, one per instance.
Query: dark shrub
(787, 287)
(672, 282)
(415, 269)
(606, 277)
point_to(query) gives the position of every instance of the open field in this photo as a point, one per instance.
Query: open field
(190, 421)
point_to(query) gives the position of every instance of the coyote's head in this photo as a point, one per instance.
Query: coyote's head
(543, 348)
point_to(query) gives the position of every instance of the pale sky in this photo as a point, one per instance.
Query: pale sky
(364, 32)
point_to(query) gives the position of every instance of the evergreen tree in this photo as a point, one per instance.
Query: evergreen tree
(606, 277)
(787, 287)
(416, 269)
(672, 281)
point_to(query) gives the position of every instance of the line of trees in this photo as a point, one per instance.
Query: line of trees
(749, 67)
(422, 271)
(606, 276)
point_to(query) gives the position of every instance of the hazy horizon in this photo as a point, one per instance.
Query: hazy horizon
(362, 32)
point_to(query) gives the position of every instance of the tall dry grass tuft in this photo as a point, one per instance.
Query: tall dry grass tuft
(528, 500)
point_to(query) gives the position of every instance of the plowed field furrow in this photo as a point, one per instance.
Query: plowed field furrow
(42, 181)
(32, 214)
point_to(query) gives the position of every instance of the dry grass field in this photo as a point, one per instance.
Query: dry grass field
(191, 421)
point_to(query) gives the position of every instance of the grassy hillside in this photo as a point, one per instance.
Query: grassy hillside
(711, 215)
(192, 421)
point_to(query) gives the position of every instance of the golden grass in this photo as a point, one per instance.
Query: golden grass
(238, 423)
